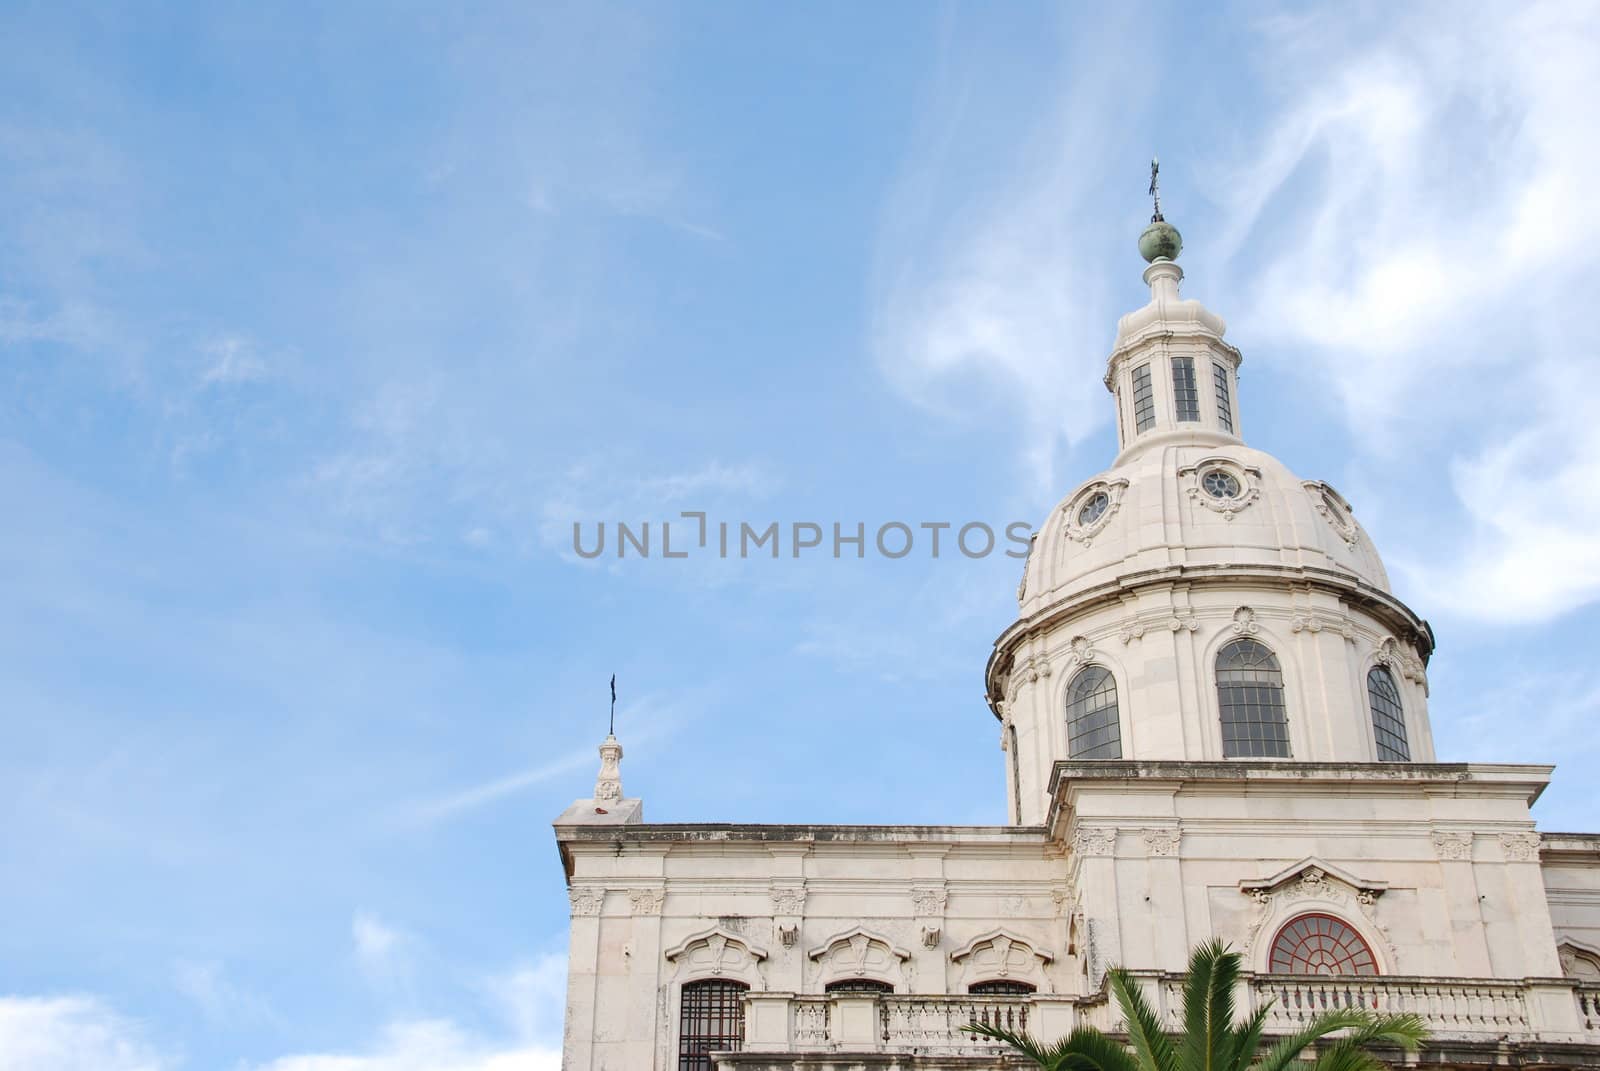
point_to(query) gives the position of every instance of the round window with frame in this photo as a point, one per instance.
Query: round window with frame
(1220, 484)
(1093, 508)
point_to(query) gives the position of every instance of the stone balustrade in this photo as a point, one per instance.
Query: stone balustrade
(1453, 1008)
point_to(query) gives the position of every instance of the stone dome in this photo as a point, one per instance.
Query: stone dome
(1198, 601)
(1183, 502)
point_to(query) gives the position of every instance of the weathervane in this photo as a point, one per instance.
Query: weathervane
(1155, 187)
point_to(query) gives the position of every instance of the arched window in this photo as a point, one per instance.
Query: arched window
(711, 1020)
(1250, 693)
(1092, 730)
(1320, 944)
(1388, 717)
(859, 985)
(1000, 989)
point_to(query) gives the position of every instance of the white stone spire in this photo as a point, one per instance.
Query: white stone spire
(608, 806)
(608, 786)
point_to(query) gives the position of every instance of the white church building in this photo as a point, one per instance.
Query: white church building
(1213, 714)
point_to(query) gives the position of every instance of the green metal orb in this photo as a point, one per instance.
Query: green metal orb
(1160, 241)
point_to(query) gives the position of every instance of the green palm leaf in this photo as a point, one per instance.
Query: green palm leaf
(1211, 1041)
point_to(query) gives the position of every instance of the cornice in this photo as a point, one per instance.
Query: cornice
(1397, 615)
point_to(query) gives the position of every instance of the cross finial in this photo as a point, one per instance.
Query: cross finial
(1155, 188)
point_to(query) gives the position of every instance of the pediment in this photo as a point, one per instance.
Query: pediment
(1315, 871)
(1000, 944)
(716, 939)
(856, 940)
(1579, 960)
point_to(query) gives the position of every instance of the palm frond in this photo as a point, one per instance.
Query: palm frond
(1085, 1049)
(1150, 1041)
(1208, 1006)
(1246, 1039)
(1403, 1031)
(1289, 1048)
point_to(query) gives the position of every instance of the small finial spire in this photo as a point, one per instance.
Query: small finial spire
(1161, 240)
(1155, 188)
(612, 731)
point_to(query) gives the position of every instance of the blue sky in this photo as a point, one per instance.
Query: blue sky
(321, 326)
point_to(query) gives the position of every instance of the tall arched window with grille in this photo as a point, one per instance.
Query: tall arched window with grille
(711, 1020)
(1092, 728)
(1388, 716)
(1250, 695)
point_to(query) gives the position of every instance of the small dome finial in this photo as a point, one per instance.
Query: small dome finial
(1160, 240)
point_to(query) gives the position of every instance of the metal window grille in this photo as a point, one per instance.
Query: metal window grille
(1219, 376)
(1000, 989)
(1250, 693)
(1388, 716)
(1144, 402)
(1320, 944)
(711, 1020)
(858, 985)
(1092, 728)
(1185, 392)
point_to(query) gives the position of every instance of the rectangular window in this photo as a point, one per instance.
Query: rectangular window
(1219, 375)
(1185, 394)
(1144, 402)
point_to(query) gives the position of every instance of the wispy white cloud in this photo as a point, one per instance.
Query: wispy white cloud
(426, 1045)
(528, 1001)
(383, 952)
(232, 359)
(73, 1033)
(222, 1000)
(1430, 191)
(994, 297)
(1408, 226)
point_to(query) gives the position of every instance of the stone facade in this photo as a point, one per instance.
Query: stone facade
(872, 946)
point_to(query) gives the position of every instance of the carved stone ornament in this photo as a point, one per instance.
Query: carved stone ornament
(930, 937)
(789, 900)
(1244, 621)
(586, 900)
(1520, 847)
(1247, 478)
(1135, 628)
(928, 903)
(646, 901)
(1454, 846)
(1161, 842)
(1072, 513)
(1090, 840)
(717, 953)
(1579, 961)
(1062, 898)
(1315, 623)
(1393, 654)
(1311, 885)
(1082, 650)
(999, 955)
(608, 786)
(859, 953)
(1028, 670)
(788, 935)
(1333, 508)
